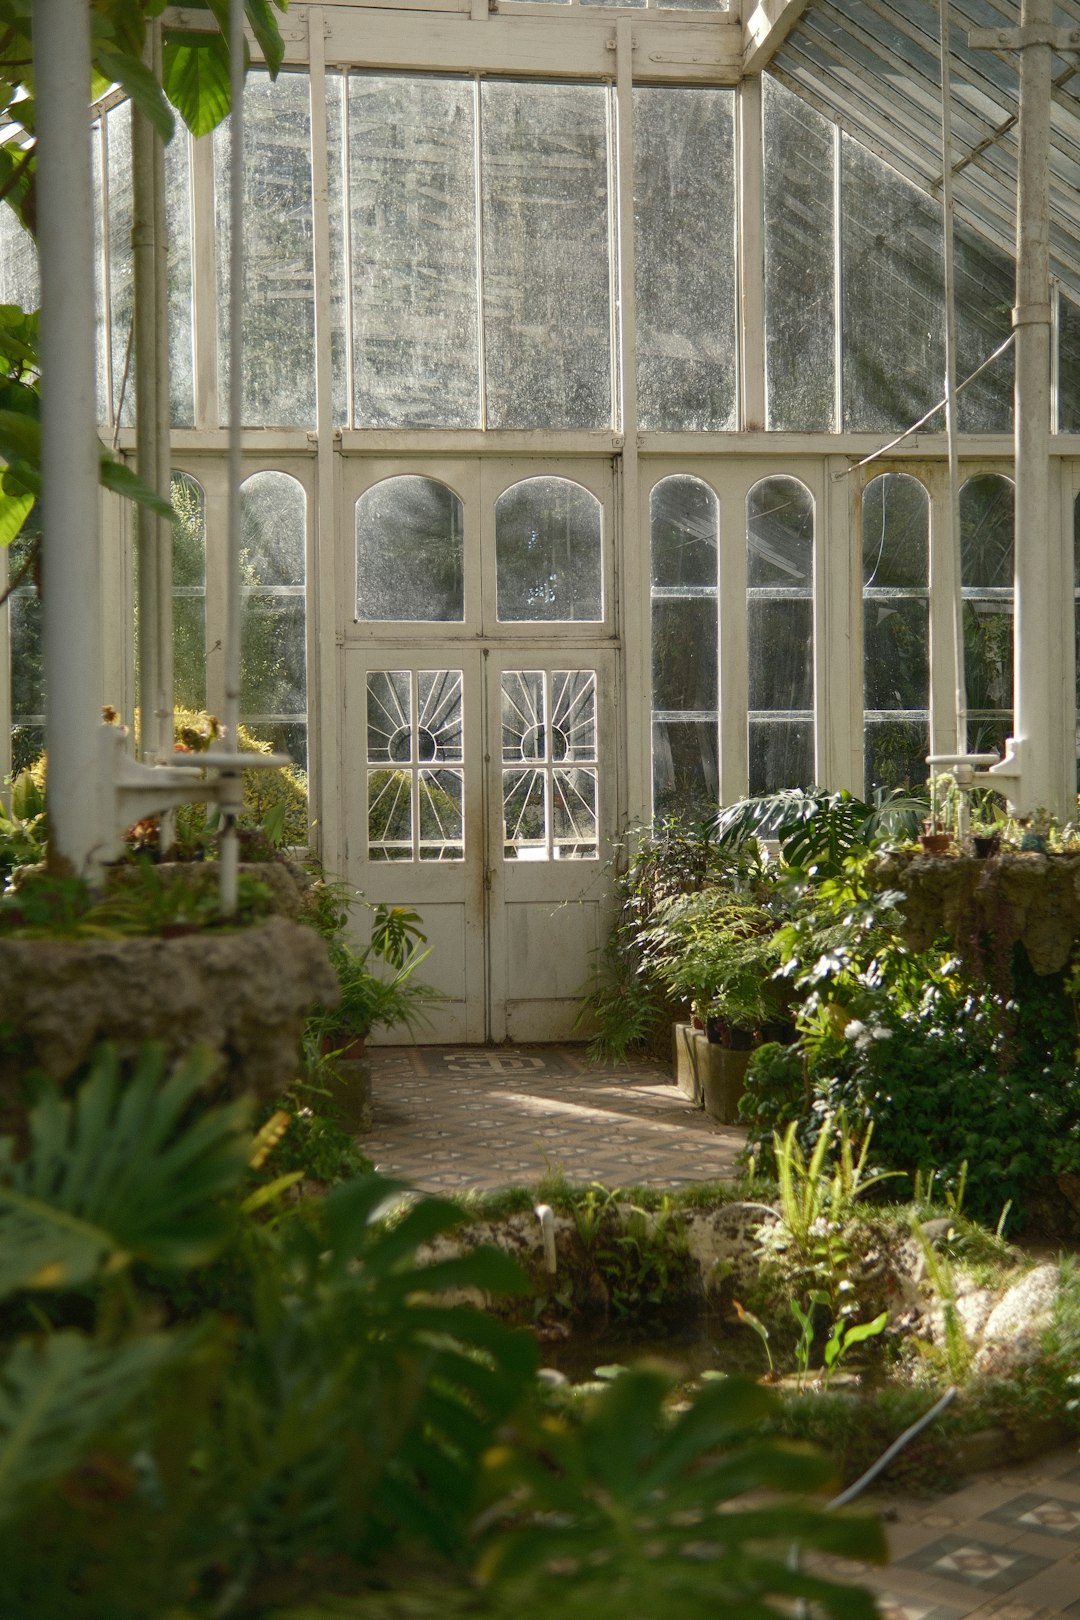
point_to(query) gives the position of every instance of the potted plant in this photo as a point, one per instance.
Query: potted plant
(370, 996)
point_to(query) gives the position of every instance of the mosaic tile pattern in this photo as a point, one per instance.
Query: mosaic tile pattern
(448, 1119)
(1049, 1514)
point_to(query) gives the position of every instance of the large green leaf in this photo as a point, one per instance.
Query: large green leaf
(118, 477)
(122, 1171)
(195, 77)
(136, 78)
(14, 511)
(57, 1396)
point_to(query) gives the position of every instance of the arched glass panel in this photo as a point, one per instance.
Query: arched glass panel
(780, 634)
(896, 631)
(684, 527)
(273, 677)
(986, 576)
(548, 553)
(410, 552)
(189, 593)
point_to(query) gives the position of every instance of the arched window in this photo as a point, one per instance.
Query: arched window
(410, 552)
(986, 577)
(273, 678)
(189, 593)
(896, 631)
(780, 634)
(684, 527)
(548, 553)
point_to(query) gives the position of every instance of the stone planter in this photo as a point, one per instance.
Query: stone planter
(351, 1097)
(709, 1075)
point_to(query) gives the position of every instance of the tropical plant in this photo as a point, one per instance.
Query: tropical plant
(815, 830)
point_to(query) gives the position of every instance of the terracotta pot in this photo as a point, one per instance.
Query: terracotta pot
(347, 1048)
(936, 843)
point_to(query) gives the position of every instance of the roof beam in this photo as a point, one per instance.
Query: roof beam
(769, 24)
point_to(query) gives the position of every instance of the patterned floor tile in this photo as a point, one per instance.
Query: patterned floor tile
(1039, 1512)
(968, 1559)
(891, 1607)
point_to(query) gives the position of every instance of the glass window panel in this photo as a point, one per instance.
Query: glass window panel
(1068, 365)
(286, 737)
(781, 639)
(987, 733)
(19, 282)
(684, 519)
(799, 254)
(27, 664)
(389, 715)
(985, 294)
(573, 815)
(410, 557)
(572, 735)
(189, 532)
(27, 744)
(895, 754)
(780, 534)
(896, 533)
(189, 652)
(336, 178)
(988, 654)
(548, 547)
(896, 654)
(523, 715)
(412, 224)
(781, 754)
(684, 210)
(439, 732)
(273, 514)
(686, 775)
(390, 815)
(102, 334)
(525, 815)
(547, 257)
(442, 822)
(986, 532)
(893, 277)
(178, 228)
(121, 269)
(272, 635)
(685, 639)
(279, 294)
(189, 593)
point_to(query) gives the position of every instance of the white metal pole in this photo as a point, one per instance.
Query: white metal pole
(950, 730)
(230, 801)
(71, 547)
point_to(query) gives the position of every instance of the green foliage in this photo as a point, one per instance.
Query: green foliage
(817, 831)
(637, 1260)
(23, 828)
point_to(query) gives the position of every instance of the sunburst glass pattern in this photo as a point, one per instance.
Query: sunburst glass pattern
(549, 764)
(414, 733)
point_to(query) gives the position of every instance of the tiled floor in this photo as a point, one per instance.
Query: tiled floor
(1006, 1546)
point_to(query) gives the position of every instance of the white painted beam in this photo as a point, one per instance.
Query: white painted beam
(765, 30)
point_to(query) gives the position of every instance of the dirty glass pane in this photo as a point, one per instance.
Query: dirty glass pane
(525, 815)
(272, 681)
(440, 797)
(390, 815)
(780, 534)
(548, 550)
(414, 729)
(893, 277)
(272, 510)
(573, 815)
(988, 654)
(986, 532)
(684, 517)
(181, 328)
(572, 735)
(27, 667)
(896, 653)
(279, 296)
(780, 633)
(439, 725)
(19, 282)
(895, 754)
(389, 716)
(410, 552)
(1068, 365)
(121, 269)
(686, 779)
(781, 754)
(985, 294)
(800, 364)
(336, 188)
(685, 639)
(684, 212)
(896, 533)
(549, 720)
(9, 233)
(524, 718)
(412, 223)
(27, 744)
(189, 593)
(547, 255)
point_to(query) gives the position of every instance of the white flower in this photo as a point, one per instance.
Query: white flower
(854, 1030)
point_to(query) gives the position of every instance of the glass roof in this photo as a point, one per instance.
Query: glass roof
(877, 74)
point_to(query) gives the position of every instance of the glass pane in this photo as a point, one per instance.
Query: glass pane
(987, 734)
(336, 137)
(896, 653)
(189, 652)
(685, 641)
(684, 210)
(781, 754)
(780, 534)
(985, 294)
(178, 226)
(439, 731)
(390, 817)
(524, 720)
(389, 715)
(547, 266)
(19, 282)
(524, 815)
(285, 737)
(893, 276)
(986, 532)
(102, 333)
(273, 517)
(895, 754)
(442, 822)
(189, 532)
(988, 654)
(27, 666)
(410, 552)
(684, 523)
(121, 271)
(573, 815)
(1068, 365)
(279, 297)
(896, 533)
(799, 253)
(272, 681)
(781, 639)
(573, 715)
(412, 218)
(686, 779)
(27, 744)
(548, 535)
